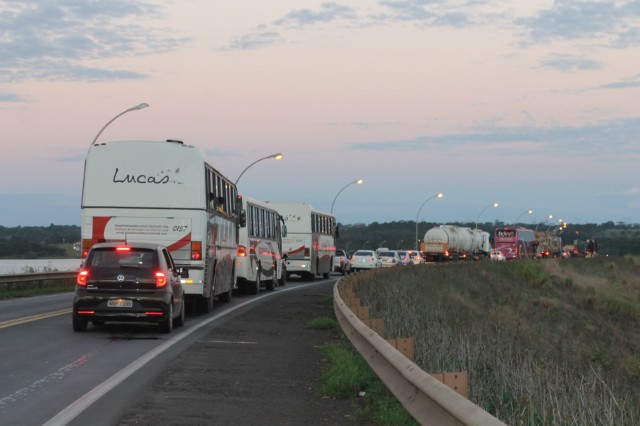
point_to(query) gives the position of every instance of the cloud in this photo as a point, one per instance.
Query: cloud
(606, 21)
(571, 63)
(619, 136)
(10, 97)
(625, 84)
(67, 39)
(271, 34)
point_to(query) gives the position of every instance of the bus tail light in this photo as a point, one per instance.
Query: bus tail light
(196, 250)
(161, 280)
(82, 278)
(241, 251)
(307, 253)
(86, 245)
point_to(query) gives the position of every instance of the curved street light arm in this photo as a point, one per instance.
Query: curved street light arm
(137, 107)
(483, 210)
(438, 195)
(357, 181)
(276, 156)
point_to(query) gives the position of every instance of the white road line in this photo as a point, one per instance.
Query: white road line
(76, 408)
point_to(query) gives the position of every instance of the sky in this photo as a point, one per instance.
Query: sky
(531, 104)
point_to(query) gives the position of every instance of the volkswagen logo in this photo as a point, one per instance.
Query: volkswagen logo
(120, 278)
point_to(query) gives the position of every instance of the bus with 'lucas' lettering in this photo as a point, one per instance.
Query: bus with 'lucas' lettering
(165, 192)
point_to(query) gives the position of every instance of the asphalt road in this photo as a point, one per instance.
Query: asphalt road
(259, 366)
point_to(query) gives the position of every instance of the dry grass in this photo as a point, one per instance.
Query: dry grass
(553, 342)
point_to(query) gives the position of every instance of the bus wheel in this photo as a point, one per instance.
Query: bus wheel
(326, 275)
(255, 287)
(310, 276)
(273, 282)
(283, 279)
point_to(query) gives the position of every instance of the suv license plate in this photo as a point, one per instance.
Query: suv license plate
(120, 303)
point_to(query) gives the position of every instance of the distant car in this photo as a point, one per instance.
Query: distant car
(389, 258)
(416, 257)
(497, 256)
(341, 262)
(405, 258)
(365, 259)
(133, 282)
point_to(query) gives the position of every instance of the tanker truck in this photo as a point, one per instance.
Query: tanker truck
(450, 242)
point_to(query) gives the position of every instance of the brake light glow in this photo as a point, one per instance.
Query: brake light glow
(82, 278)
(161, 280)
(241, 251)
(123, 249)
(196, 250)
(154, 313)
(86, 312)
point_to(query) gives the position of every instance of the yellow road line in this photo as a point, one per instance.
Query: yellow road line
(24, 320)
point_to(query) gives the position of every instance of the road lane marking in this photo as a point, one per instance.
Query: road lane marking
(72, 411)
(24, 320)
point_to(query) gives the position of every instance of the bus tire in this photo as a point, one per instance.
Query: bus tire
(310, 276)
(283, 279)
(255, 287)
(326, 275)
(273, 281)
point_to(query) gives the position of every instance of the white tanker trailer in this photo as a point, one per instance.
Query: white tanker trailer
(450, 242)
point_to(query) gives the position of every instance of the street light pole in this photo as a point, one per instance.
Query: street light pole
(545, 221)
(494, 205)
(438, 195)
(357, 181)
(523, 213)
(135, 108)
(277, 156)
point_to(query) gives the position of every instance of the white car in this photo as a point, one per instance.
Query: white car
(405, 258)
(497, 256)
(341, 262)
(365, 259)
(389, 258)
(416, 257)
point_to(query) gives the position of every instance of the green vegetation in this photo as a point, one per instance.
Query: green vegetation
(33, 242)
(543, 342)
(348, 376)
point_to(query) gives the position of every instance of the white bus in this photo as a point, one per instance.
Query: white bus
(259, 255)
(310, 242)
(165, 193)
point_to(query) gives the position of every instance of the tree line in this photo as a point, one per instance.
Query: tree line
(613, 238)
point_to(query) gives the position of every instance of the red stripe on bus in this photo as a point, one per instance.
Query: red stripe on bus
(99, 225)
(296, 250)
(180, 243)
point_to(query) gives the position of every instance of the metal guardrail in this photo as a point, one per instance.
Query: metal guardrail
(429, 401)
(37, 276)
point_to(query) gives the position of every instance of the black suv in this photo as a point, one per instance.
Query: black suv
(128, 282)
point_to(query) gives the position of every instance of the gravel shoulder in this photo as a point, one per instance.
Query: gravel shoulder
(261, 367)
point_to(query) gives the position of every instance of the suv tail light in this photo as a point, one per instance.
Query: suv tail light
(82, 278)
(161, 280)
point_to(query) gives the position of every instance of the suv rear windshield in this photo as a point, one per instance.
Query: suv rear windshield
(122, 257)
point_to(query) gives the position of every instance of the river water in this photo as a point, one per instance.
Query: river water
(21, 266)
